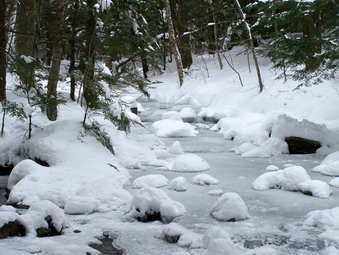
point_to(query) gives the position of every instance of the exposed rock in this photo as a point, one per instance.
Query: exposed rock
(50, 231)
(298, 145)
(107, 246)
(134, 110)
(12, 228)
(172, 238)
(148, 217)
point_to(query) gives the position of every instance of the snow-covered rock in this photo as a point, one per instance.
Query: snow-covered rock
(222, 247)
(176, 148)
(216, 192)
(81, 205)
(229, 207)
(150, 180)
(214, 233)
(172, 115)
(175, 233)
(272, 168)
(294, 178)
(204, 179)
(327, 220)
(178, 184)
(335, 182)
(149, 202)
(330, 165)
(189, 163)
(188, 114)
(173, 128)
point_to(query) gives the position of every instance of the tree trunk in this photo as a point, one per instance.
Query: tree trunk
(216, 40)
(184, 39)
(57, 25)
(73, 49)
(3, 63)
(25, 37)
(248, 29)
(173, 43)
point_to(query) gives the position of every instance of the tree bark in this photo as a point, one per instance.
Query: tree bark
(248, 29)
(59, 8)
(25, 37)
(72, 43)
(184, 39)
(3, 63)
(173, 43)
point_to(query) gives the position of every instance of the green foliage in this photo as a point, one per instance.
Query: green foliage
(100, 135)
(13, 109)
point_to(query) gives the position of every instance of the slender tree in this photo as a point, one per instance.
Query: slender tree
(173, 43)
(57, 34)
(2, 52)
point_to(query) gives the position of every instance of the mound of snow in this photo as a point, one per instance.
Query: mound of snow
(277, 127)
(222, 247)
(272, 168)
(178, 184)
(151, 201)
(176, 148)
(175, 233)
(294, 178)
(151, 180)
(216, 192)
(214, 233)
(335, 182)
(189, 163)
(188, 114)
(327, 220)
(229, 207)
(329, 166)
(173, 128)
(81, 205)
(204, 179)
(173, 115)
(7, 216)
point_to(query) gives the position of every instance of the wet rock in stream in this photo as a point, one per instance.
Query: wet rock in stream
(106, 247)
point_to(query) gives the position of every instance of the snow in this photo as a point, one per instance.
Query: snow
(215, 233)
(150, 180)
(221, 247)
(7, 216)
(330, 165)
(335, 182)
(176, 148)
(187, 238)
(229, 207)
(150, 200)
(272, 168)
(216, 192)
(326, 220)
(178, 184)
(173, 128)
(189, 163)
(188, 114)
(81, 205)
(294, 178)
(204, 179)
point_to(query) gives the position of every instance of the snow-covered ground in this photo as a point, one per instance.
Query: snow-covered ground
(244, 185)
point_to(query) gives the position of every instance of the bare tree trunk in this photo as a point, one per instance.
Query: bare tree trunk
(25, 37)
(73, 49)
(173, 43)
(184, 39)
(3, 63)
(59, 8)
(248, 29)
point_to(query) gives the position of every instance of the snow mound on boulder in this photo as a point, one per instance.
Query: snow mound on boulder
(81, 205)
(175, 233)
(222, 247)
(178, 184)
(151, 180)
(216, 192)
(326, 220)
(173, 128)
(173, 115)
(229, 207)
(272, 168)
(294, 178)
(272, 134)
(150, 201)
(204, 179)
(189, 163)
(335, 182)
(329, 166)
(176, 148)
(188, 114)
(214, 233)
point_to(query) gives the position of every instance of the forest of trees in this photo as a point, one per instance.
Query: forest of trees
(300, 37)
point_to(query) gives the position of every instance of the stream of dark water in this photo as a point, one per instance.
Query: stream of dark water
(3, 185)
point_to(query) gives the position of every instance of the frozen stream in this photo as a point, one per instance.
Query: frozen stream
(276, 216)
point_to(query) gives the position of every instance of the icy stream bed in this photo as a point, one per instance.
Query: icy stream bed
(276, 216)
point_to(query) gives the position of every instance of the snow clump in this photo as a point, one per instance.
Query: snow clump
(272, 168)
(176, 148)
(175, 233)
(216, 192)
(173, 128)
(189, 163)
(335, 182)
(229, 207)
(294, 178)
(204, 179)
(178, 184)
(151, 180)
(149, 202)
(81, 205)
(327, 220)
(188, 114)
(329, 166)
